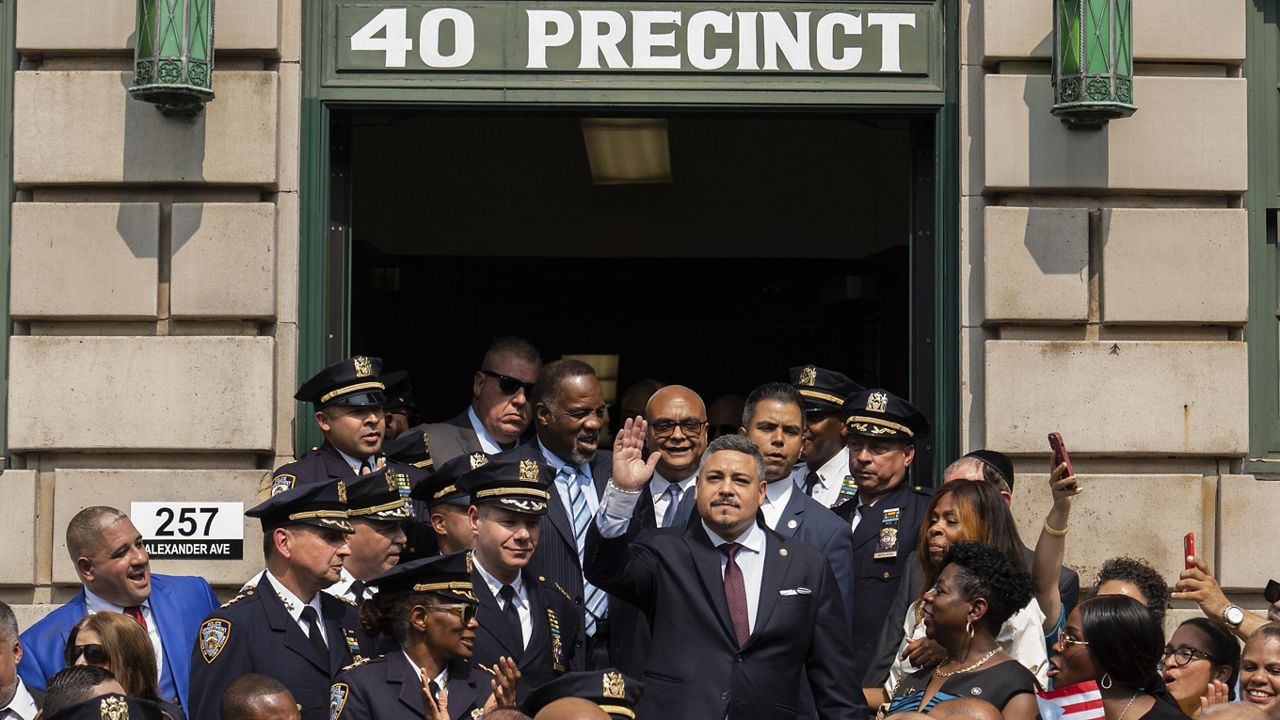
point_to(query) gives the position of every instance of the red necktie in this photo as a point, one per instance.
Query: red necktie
(735, 593)
(135, 612)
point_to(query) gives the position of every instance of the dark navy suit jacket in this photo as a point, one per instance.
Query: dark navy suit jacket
(178, 604)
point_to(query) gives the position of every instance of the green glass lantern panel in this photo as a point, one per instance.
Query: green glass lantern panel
(1069, 21)
(1097, 25)
(172, 23)
(202, 15)
(1124, 50)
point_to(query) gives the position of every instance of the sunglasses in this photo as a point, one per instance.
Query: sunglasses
(1067, 640)
(93, 654)
(509, 385)
(466, 612)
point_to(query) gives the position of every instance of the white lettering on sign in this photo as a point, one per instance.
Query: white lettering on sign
(707, 40)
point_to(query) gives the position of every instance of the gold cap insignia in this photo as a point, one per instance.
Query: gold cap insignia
(363, 365)
(877, 402)
(478, 460)
(114, 708)
(391, 482)
(529, 471)
(470, 567)
(615, 687)
(809, 376)
(342, 492)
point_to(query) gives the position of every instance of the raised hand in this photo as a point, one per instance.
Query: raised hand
(1063, 487)
(1216, 695)
(433, 709)
(630, 470)
(924, 653)
(506, 675)
(1198, 585)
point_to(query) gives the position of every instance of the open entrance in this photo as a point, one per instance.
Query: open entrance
(777, 240)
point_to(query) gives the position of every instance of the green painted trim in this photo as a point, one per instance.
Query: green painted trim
(947, 301)
(1262, 200)
(8, 64)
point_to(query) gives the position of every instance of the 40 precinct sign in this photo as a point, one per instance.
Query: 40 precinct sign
(190, 531)
(875, 46)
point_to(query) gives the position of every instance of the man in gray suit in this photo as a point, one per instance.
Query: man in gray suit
(499, 413)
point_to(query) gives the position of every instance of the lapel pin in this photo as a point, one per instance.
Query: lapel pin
(782, 552)
(792, 524)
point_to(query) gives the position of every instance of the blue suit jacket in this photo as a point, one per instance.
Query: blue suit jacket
(178, 604)
(808, 521)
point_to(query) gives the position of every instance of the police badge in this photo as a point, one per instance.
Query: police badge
(113, 708)
(478, 460)
(529, 471)
(338, 699)
(363, 366)
(213, 637)
(342, 492)
(615, 687)
(282, 483)
(877, 402)
(809, 376)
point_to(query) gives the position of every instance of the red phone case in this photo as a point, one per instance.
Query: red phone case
(1189, 549)
(1060, 453)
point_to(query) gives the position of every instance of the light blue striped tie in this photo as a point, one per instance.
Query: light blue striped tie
(597, 601)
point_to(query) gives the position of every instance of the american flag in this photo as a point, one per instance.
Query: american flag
(1081, 701)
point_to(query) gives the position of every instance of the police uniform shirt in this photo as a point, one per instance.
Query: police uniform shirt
(358, 466)
(487, 443)
(521, 598)
(658, 488)
(776, 495)
(582, 476)
(340, 589)
(857, 512)
(21, 707)
(294, 605)
(95, 604)
(830, 479)
(441, 680)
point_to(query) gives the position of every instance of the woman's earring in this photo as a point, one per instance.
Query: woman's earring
(968, 627)
(1106, 681)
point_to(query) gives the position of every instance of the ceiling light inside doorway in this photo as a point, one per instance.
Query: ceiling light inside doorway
(627, 150)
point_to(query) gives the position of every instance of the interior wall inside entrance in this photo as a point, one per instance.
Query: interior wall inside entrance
(783, 240)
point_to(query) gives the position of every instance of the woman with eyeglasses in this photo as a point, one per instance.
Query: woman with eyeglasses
(117, 642)
(965, 511)
(1116, 642)
(428, 608)
(1200, 665)
(977, 589)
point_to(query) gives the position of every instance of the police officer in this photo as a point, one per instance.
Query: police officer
(445, 504)
(827, 477)
(614, 693)
(887, 511)
(522, 615)
(285, 627)
(427, 606)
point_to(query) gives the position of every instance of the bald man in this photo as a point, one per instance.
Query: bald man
(258, 697)
(677, 420)
(572, 709)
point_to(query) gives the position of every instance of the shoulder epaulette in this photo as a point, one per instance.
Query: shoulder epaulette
(246, 591)
(362, 661)
(345, 599)
(556, 585)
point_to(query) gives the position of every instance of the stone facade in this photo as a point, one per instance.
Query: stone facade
(161, 364)
(171, 338)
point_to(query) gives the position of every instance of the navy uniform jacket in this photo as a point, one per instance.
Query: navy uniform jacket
(551, 651)
(556, 559)
(388, 689)
(254, 633)
(696, 670)
(875, 581)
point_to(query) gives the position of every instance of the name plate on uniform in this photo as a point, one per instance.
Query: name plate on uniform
(191, 530)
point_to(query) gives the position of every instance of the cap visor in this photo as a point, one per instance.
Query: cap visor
(360, 399)
(343, 526)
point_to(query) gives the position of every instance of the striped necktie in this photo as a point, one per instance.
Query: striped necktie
(597, 601)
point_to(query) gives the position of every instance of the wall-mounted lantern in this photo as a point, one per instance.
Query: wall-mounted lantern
(1092, 61)
(173, 60)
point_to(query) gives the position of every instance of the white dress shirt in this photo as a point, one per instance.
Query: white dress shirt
(776, 496)
(357, 464)
(294, 604)
(857, 512)
(521, 598)
(21, 707)
(441, 680)
(658, 488)
(830, 478)
(94, 604)
(487, 443)
(582, 477)
(340, 589)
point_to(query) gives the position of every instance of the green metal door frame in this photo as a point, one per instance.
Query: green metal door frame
(939, 360)
(8, 64)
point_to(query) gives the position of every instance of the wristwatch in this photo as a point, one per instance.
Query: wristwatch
(1233, 616)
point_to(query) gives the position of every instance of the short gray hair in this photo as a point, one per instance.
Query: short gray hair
(8, 624)
(734, 443)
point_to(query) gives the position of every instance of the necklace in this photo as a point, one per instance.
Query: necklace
(1129, 705)
(974, 666)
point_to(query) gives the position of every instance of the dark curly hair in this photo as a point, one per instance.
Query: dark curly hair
(982, 571)
(1140, 574)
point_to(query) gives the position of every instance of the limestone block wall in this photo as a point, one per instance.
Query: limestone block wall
(1105, 286)
(154, 283)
